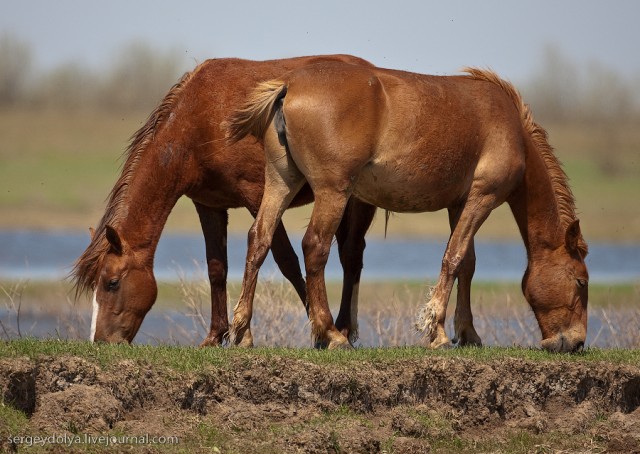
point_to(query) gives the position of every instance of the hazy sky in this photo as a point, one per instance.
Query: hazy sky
(423, 36)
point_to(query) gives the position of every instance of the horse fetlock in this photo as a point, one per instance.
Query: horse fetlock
(427, 318)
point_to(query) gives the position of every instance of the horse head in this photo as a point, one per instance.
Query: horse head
(556, 285)
(124, 291)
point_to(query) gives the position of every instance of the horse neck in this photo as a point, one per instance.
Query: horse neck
(152, 191)
(535, 208)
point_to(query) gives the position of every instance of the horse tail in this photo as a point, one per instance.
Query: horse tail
(539, 137)
(254, 117)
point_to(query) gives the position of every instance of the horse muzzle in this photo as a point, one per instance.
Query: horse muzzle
(569, 342)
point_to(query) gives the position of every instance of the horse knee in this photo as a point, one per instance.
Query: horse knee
(451, 264)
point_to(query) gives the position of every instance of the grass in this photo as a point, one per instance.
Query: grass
(13, 421)
(190, 359)
(438, 429)
(58, 168)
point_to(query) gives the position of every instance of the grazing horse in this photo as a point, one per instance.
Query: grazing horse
(411, 143)
(181, 150)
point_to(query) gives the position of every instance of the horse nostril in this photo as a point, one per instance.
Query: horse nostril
(579, 347)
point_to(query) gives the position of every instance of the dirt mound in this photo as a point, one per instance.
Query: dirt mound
(281, 404)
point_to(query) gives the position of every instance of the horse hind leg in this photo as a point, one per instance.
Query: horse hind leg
(327, 212)
(350, 235)
(283, 180)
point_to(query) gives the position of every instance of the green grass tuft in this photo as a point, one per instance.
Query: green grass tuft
(184, 359)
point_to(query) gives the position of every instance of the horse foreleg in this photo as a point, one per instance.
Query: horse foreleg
(465, 333)
(355, 222)
(432, 317)
(316, 244)
(214, 227)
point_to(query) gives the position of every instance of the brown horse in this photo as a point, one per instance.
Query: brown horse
(181, 151)
(411, 143)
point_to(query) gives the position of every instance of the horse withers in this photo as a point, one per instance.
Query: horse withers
(181, 150)
(412, 143)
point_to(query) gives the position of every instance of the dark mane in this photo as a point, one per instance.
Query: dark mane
(86, 268)
(559, 179)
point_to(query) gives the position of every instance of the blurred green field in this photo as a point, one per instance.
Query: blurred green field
(57, 169)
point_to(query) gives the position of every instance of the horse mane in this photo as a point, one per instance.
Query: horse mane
(559, 179)
(87, 266)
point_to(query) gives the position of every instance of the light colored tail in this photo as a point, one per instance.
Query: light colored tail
(256, 114)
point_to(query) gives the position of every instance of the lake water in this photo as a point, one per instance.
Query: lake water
(39, 255)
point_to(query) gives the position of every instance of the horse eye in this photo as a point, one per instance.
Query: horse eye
(581, 283)
(113, 285)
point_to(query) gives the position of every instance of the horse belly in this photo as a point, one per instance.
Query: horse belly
(409, 188)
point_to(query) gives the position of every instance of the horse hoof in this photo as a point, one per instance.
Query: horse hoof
(441, 344)
(467, 338)
(462, 342)
(211, 342)
(340, 345)
(243, 338)
(246, 342)
(321, 345)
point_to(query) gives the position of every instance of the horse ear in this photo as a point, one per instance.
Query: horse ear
(92, 233)
(572, 237)
(113, 237)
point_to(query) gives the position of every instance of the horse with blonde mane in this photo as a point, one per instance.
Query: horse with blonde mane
(412, 143)
(181, 150)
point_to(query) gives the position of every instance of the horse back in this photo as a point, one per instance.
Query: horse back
(221, 175)
(435, 133)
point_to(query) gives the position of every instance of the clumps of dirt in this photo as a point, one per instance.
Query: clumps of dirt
(284, 405)
(18, 384)
(79, 408)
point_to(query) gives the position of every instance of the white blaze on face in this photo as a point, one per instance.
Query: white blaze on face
(94, 315)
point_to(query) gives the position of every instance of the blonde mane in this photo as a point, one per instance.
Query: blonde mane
(559, 180)
(86, 268)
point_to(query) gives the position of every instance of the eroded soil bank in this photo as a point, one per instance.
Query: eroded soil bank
(280, 404)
